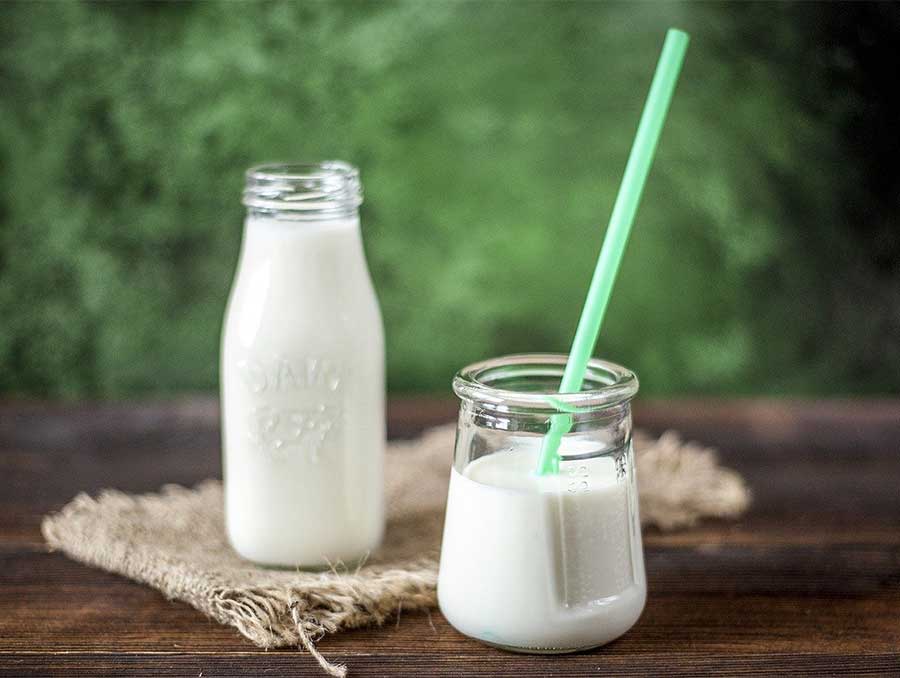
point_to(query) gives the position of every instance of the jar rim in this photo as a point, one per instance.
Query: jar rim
(606, 384)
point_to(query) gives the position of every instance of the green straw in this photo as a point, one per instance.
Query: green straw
(626, 205)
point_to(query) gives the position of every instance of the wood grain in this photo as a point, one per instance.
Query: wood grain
(808, 583)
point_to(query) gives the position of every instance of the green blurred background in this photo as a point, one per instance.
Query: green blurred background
(491, 137)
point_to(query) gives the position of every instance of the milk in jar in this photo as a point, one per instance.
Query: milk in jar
(548, 563)
(302, 374)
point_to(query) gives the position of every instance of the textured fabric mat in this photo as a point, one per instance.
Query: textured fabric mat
(174, 541)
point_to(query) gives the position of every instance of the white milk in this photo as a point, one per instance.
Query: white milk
(541, 564)
(302, 380)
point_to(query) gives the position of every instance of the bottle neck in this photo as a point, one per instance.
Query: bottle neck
(303, 222)
(306, 256)
(310, 243)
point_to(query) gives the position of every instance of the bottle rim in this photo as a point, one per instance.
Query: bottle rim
(303, 189)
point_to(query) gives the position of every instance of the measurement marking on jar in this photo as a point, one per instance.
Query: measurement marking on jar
(578, 480)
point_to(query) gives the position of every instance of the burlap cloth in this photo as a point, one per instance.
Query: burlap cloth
(174, 541)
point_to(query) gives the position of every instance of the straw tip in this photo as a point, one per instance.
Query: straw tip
(678, 34)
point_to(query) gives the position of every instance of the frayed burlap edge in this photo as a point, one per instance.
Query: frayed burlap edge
(275, 611)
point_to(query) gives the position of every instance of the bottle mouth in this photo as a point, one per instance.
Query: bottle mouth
(528, 382)
(300, 190)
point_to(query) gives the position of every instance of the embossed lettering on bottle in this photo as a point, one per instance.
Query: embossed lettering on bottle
(296, 406)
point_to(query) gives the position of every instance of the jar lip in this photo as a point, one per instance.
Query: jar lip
(606, 384)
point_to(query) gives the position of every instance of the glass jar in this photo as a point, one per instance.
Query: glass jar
(302, 374)
(549, 563)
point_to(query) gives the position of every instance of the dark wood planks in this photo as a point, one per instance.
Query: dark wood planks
(808, 583)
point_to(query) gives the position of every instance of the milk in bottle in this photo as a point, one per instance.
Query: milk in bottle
(302, 374)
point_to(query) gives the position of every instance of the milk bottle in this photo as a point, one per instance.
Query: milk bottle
(542, 563)
(302, 374)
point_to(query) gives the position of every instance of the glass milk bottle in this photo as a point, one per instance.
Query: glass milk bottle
(533, 563)
(302, 374)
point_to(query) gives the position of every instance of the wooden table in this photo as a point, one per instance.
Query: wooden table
(807, 583)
